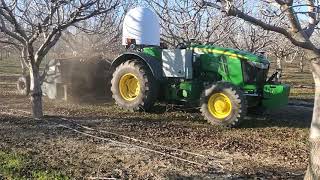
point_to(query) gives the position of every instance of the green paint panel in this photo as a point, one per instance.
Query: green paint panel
(153, 51)
(275, 96)
(191, 90)
(226, 67)
(249, 87)
(212, 49)
(184, 91)
(234, 71)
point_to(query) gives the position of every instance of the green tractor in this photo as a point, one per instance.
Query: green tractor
(223, 82)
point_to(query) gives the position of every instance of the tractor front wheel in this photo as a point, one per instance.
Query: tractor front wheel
(133, 86)
(223, 104)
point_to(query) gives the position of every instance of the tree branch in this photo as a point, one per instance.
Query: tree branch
(233, 11)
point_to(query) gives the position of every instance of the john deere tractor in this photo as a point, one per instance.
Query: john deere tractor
(223, 82)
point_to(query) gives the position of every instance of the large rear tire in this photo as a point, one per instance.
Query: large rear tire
(133, 86)
(223, 104)
(23, 85)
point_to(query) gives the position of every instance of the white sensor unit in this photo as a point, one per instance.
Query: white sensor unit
(142, 25)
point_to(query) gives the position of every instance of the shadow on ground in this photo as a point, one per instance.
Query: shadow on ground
(291, 116)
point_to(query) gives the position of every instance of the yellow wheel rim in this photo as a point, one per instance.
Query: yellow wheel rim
(129, 87)
(219, 105)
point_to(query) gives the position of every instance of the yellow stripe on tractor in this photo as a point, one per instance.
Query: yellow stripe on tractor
(228, 53)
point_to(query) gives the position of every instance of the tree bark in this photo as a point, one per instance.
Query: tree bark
(301, 64)
(313, 171)
(279, 63)
(23, 66)
(36, 92)
(24, 61)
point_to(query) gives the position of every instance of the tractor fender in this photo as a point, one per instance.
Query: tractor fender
(154, 64)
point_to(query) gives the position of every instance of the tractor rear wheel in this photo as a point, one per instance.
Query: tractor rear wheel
(133, 86)
(223, 104)
(23, 85)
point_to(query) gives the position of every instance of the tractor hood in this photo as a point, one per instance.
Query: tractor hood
(250, 57)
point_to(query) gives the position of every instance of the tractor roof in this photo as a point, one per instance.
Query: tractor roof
(227, 51)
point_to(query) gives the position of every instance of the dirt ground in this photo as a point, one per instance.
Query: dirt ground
(98, 140)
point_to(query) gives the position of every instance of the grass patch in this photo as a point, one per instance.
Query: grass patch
(10, 66)
(13, 66)
(17, 166)
(302, 93)
(10, 70)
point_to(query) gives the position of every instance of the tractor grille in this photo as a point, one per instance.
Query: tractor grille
(253, 74)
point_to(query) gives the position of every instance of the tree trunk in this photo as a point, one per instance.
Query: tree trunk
(279, 63)
(36, 92)
(23, 61)
(301, 64)
(23, 66)
(313, 171)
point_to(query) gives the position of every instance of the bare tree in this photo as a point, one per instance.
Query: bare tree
(102, 36)
(14, 45)
(185, 21)
(282, 50)
(292, 15)
(250, 38)
(301, 61)
(37, 25)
